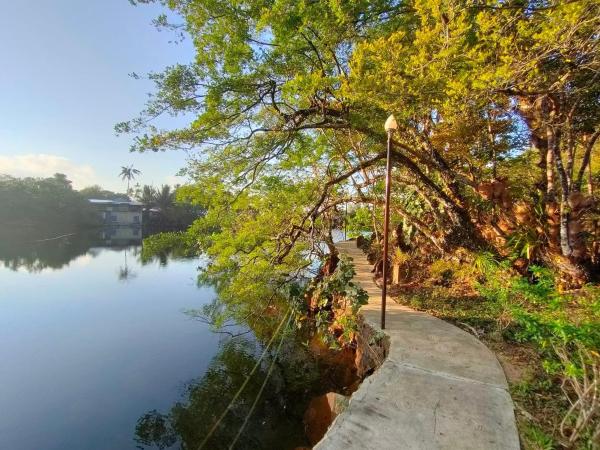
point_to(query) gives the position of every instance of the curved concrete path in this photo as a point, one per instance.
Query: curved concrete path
(439, 388)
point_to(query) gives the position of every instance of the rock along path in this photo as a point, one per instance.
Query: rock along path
(439, 388)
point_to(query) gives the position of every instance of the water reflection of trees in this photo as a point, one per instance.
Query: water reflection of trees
(275, 423)
(38, 256)
(162, 248)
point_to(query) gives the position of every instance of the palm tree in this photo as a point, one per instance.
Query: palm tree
(164, 198)
(128, 173)
(147, 196)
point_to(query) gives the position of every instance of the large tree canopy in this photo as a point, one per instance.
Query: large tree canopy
(497, 103)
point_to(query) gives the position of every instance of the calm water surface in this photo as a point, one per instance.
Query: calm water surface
(96, 352)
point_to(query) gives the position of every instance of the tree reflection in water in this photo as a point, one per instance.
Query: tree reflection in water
(34, 256)
(276, 423)
(37, 256)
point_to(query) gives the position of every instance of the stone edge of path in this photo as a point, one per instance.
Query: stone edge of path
(439, 387)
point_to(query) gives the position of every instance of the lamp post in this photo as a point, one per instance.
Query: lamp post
(390, 127)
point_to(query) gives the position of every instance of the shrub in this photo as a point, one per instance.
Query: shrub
(566, 330)
(337, 299)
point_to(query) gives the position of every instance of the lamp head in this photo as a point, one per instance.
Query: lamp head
(390, 124)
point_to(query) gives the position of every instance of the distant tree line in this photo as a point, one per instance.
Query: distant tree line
(42, 207)
(38, 208)
(98, 192)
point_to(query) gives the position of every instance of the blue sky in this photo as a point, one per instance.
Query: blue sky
(64, 83)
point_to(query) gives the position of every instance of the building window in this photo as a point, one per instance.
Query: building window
(136, 219)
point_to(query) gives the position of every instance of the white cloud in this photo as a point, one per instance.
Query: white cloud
(174, 179)
(42, 165)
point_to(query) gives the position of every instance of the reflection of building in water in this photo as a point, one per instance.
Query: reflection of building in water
(121, 236)
(122, 220)
(118, 212)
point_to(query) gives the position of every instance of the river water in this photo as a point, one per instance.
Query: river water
(97, 352)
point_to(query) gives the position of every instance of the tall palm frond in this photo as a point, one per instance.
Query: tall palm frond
(147, 196)
(164, 197)
(128, 173)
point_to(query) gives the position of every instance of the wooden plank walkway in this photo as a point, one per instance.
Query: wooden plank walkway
(439, 388)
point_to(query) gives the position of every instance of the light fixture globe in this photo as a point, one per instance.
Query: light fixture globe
(390, 124)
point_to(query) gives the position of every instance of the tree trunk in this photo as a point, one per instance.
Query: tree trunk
(550, 193)
(565, 245)
(540, 113)
(588, 143)
(421, 227)
(590, 185)
(332, 260)
(540, 146)
(554, 146)
(572, 275)
(493, 148)
(396, 274)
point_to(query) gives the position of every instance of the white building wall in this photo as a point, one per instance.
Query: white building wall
(123, 217)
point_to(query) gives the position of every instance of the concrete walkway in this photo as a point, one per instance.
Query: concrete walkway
(439, 388)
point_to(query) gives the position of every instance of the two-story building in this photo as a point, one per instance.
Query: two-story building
(119, 212)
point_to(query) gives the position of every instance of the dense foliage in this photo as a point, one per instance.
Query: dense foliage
(98, 192)
(42, 207)
(288, 100)
(166, 209)
(169, 243)
(496, 153)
